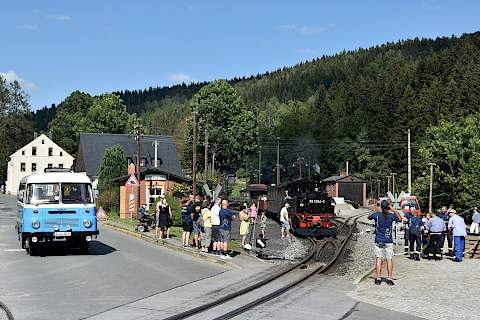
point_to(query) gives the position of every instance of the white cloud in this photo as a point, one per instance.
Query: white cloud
(11, 76)
(302, 29)
(180, 77)
(58, 17)
(28, 27)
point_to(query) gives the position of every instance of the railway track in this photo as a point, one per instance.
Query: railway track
(320, 258)
(472, 246)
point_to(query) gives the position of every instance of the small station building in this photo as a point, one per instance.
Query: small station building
(349, 187)
(153, 183)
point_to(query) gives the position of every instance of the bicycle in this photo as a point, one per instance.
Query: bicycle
(5, 313)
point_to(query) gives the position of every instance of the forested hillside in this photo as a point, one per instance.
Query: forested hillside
(355, 105)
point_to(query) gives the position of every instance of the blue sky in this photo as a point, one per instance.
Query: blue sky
(56, 47)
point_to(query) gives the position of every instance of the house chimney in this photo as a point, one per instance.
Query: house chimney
(35, 135)
(50, 135)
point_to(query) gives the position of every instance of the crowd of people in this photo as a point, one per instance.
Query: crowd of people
(211, 224)
(423, 235)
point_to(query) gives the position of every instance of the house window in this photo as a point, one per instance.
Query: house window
(23, 152)
(50, 166)
(43, 141)
(22, 167)
(34, 167)
(50, 152)
(34, 151)
(60, 165)
(61, 153)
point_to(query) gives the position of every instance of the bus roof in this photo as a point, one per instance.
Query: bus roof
(56, 177)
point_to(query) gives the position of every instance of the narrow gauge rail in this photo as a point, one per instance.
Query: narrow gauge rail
(315, 253)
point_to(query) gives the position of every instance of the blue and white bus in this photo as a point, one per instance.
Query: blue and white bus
(56, 206)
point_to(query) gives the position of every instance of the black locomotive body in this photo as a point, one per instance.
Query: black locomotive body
(311, 210)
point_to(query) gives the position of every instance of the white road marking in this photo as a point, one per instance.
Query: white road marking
(13, 250)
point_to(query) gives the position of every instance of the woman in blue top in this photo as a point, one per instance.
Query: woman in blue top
(383, 240)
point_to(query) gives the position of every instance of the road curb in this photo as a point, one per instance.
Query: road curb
(166, 244)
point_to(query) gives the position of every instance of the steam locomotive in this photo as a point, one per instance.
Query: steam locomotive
(311, 210)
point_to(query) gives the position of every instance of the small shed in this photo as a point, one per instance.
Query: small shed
(349, 187)
(153, 183)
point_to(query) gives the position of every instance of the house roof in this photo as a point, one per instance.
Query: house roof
(332, 179)
(37, 142)
(143, 172)
(349, 178)
(92, 148)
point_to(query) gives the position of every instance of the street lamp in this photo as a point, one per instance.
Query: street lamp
(300, 162)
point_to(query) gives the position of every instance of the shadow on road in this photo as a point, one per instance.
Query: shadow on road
(97, 248)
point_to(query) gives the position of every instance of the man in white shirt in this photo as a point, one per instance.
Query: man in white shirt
(459, 231)
(215, 213)
(284, 221)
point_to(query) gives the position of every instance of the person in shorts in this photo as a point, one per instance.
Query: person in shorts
(383, 240)
(225, 228)
(284, 221)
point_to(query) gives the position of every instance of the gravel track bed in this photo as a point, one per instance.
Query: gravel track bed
(357, 257)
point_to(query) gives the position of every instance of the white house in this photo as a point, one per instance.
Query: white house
(39, 154)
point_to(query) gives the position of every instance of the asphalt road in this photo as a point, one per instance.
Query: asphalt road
(66, 285)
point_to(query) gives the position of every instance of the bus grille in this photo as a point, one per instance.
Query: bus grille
(52, 222)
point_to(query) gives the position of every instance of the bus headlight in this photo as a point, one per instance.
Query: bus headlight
(35, 224)
(87, 223)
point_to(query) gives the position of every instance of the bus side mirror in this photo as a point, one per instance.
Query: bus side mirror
(20, 195)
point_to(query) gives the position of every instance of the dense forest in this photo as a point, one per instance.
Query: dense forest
(356, 106)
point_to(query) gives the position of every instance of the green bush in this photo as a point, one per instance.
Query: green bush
(109, 199)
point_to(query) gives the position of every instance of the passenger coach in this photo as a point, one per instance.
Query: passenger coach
(56, 206)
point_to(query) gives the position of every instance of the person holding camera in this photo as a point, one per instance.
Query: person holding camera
(383, 240)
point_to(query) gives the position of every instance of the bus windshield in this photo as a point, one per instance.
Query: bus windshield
(43, 193)
(76, 193)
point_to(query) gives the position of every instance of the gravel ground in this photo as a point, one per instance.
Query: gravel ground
(278, 248)
(357, 258)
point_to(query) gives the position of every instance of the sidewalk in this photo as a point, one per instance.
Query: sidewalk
(239, 261)
(429, 289)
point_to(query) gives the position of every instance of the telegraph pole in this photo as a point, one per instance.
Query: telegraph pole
(278, 161)
(409, 164)
(206, 155)
(194, 154)
(346, 168)
(393, 184)
(431, 164)
(259, 164)
(378, 188)
(137, 131)
(388, 183)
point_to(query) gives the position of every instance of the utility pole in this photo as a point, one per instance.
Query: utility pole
(378, 188)
(346, 168)
(393, 184)
(409, 164)
(206, 155)
(156, 153)
(431, 164)
(213, 157)
(137, 132)
(388, 183)
(278, 161)
(194, 154)
(259, 164)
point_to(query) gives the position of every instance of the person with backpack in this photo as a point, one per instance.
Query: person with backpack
(415, 227)
(383, 240)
